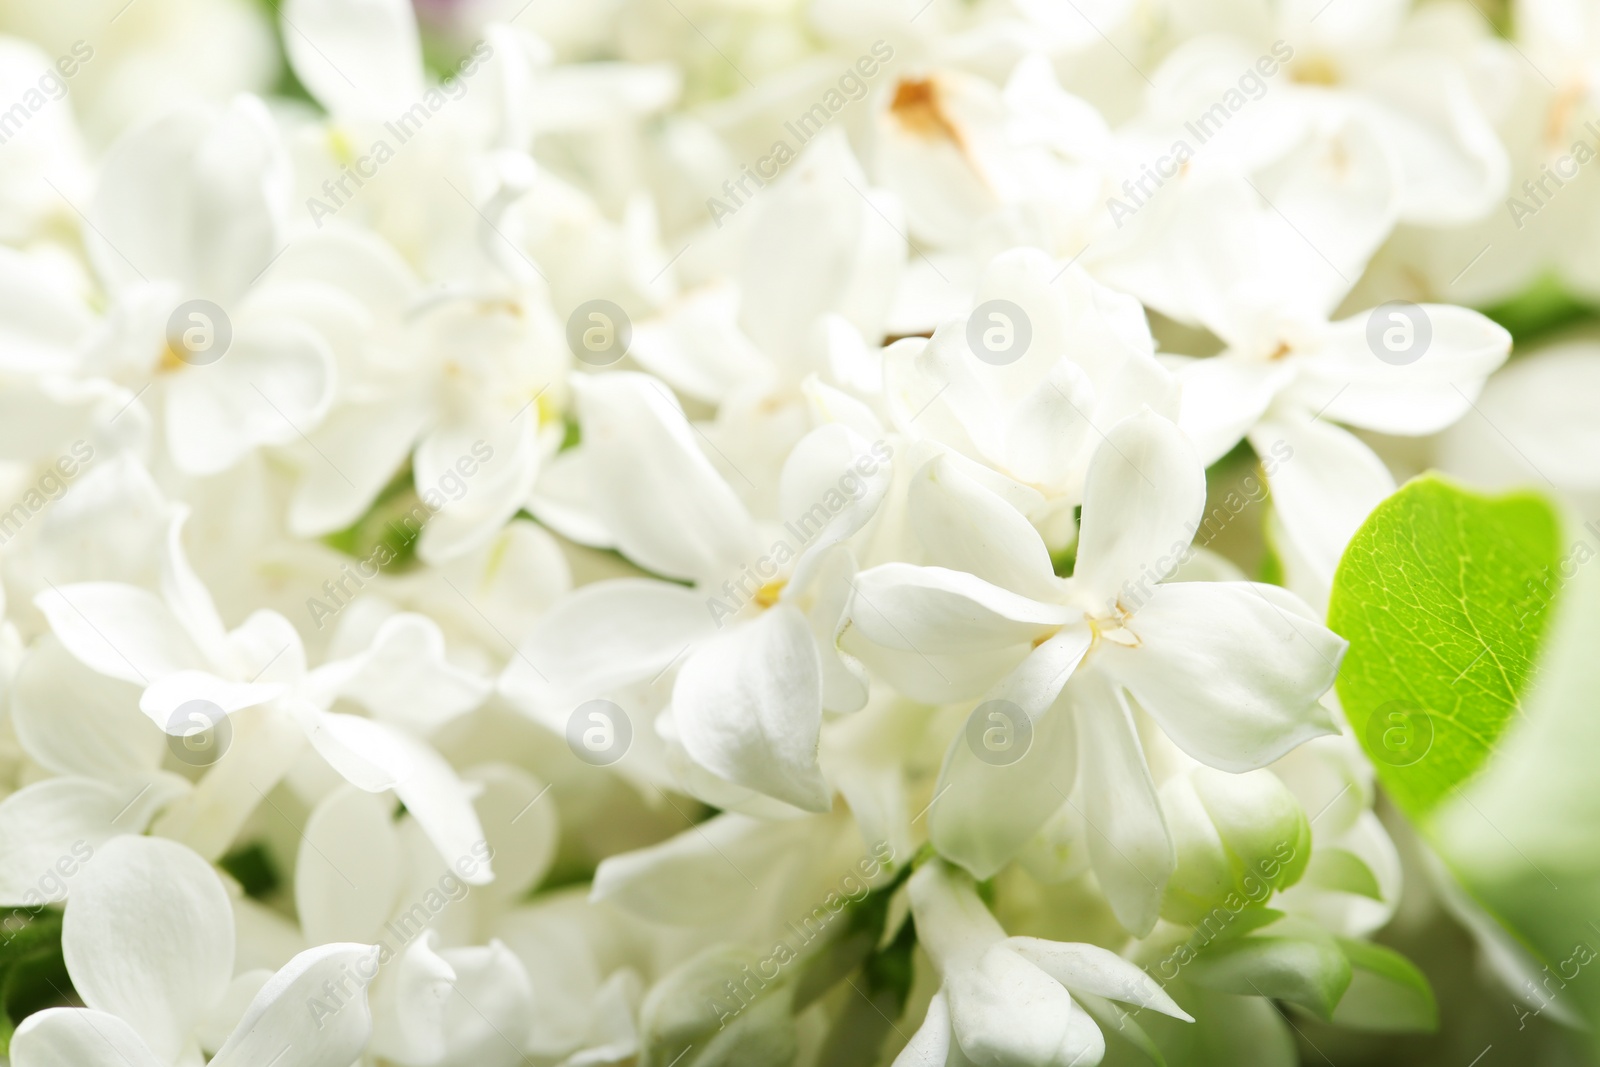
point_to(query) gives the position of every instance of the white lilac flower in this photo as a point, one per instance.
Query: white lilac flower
(47, 148)
(176, 647)
(363, 876)
(1012, 999)
(757, 641)
(933, 703)
(149, 943)
(1035, 412)
(1409, 72)
(1232, 671)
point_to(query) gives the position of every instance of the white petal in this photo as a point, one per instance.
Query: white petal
(366, 754)
(947, 168)
(504, 458)
(1223, 398)
(272, 385)
(1128, 842)
(520, 824)
(965, 527)
(563, 500)
(266, 743)
(944, 678)
(1542, 404)
(1006, 1010)
(1347, 382)
(1047, 434)
(932, 610)
(1231, 670)
(487, 1015)
(266, 648)
(703, 875)
(502, 589)
(986, 811)
(817, 245)
(347, 875)
(365, 444)
(41, 319)
(441, 803)
(748, 706)
(932, 390)
(186, 594)
(193, 197)
(1142, 501)
(844, 680)
(116, 492)
(1325, 490)
(148, 936)
(50, 829)
(355, 261)
(119, 630)
(831, 486)
(604, 636)
(75, 721)
(1093, 969)
(166, 694)
(667, 506)
(409, 1023)
(697, 345)
(213, 1032)
(1072, 316)
(930, 1045)
(295, 1018)
(79, 1037)
(1321, 211)
(406, 679)
(1454, 164)
(359, 58)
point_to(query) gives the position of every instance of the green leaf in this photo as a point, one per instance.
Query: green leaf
(1312, 973)
(1524, 837)
(1543, 308)
(33, 973)
(1343, 871)
(1248, 921)
(387, 534)
(1444, 596)
(1228, 1031)
(253, 867)
(1387, 993)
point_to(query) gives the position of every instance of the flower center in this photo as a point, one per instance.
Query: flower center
(1316, 69)
(918, 107)
(1114, 627)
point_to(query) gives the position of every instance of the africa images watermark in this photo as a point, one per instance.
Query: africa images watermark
(852, 85)
(754, 581)
(1561, 171)
(1251, 85)
(51, 86)
(852, 890)
(1552, 578)
(1135, 592)
(404, 928)
(1252, 891)
(1582, 955)
(51, 486)
(404, 530)
(402, 128)
(51, 888)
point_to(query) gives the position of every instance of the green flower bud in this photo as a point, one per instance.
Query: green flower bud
(1239, 838)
